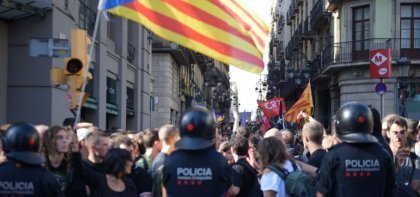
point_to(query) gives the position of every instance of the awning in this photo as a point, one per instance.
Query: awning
(130, 112)
(112, 109)
(91, 103)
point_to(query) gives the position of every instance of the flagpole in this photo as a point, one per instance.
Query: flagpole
(92, 45)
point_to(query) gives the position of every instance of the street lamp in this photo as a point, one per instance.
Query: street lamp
(404, 66)
(306, 71)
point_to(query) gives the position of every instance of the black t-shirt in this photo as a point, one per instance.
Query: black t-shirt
(203, 173)
(98, 167)
(60, 174)
(243, 177)
(142, 180)
(97, 181)
(359, 169)
(316, 157)
(156, 171)
(18, 179)
(70, 183)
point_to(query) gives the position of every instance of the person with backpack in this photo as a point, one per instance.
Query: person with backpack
(359, 166)
(274, 158)
(245, 179)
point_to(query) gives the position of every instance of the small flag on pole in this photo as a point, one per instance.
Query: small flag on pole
(304, 103)
(221, 29)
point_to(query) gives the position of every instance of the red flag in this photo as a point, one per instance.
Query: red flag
(265, 123)
(271, 107)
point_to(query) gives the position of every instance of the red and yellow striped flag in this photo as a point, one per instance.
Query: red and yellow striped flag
(304, 103)
(221, 29)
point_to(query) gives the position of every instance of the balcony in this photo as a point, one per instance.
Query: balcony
(358, 51)
(296, 5)
(319, 15)
(280, 23)
(333, 5)
(290, 17)
(280, 49)
(307, 29)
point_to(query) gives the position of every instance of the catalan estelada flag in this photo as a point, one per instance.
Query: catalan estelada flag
(304, 103)
(221, 29)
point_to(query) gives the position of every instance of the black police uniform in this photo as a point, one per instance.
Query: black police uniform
(19, 179)
(356, 170)
(22, 175)
(203, 173)
(359, 166)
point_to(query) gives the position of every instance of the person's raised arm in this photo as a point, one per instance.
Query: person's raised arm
(89, 176)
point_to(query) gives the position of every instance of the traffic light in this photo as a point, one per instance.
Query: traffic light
(76, 65)
(79, 43)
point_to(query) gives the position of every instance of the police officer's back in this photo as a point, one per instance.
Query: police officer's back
(359, 166)
(23, 175)
(196, 168)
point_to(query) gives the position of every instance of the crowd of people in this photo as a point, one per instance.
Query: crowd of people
(362, 155)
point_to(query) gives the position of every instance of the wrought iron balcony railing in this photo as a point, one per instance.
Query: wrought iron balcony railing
(318, 12)
(358, 51)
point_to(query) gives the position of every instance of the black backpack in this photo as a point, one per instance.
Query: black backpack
(256, 189)
(296, 183)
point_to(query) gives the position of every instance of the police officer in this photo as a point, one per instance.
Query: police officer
(196, 168)
(359, 166)
(22, 173)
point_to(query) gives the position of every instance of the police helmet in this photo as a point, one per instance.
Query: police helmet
(197, 129)
(354, 123)
(22, 143)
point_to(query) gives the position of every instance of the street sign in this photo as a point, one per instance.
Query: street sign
(47, 47)
(380, 63)
(380, 88)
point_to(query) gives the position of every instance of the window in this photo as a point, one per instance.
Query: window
(110, 27)
(361, 28)
(111, 93)
(89, 85)
(87, 15)
(410, 26)
(130, 98)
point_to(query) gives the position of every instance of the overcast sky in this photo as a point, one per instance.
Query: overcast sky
(247, 81)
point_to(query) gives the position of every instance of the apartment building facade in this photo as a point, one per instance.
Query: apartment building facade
(329, 45)
(120, 92)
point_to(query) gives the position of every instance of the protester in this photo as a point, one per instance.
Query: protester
(289, 141)
(244, 175)
(168, 136)
(407, 162)
(114, 182)
(272, 151)
(312, 135)
(97, 145)
(253, 142)
(55, 148)
(412, 129)
(224, 149)
(22, 174)
(141, 179)
(153, 146)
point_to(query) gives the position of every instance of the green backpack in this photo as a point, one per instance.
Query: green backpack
(297, 183)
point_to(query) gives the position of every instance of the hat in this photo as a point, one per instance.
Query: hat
(82, 133)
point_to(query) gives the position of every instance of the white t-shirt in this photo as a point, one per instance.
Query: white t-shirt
(272, 181)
